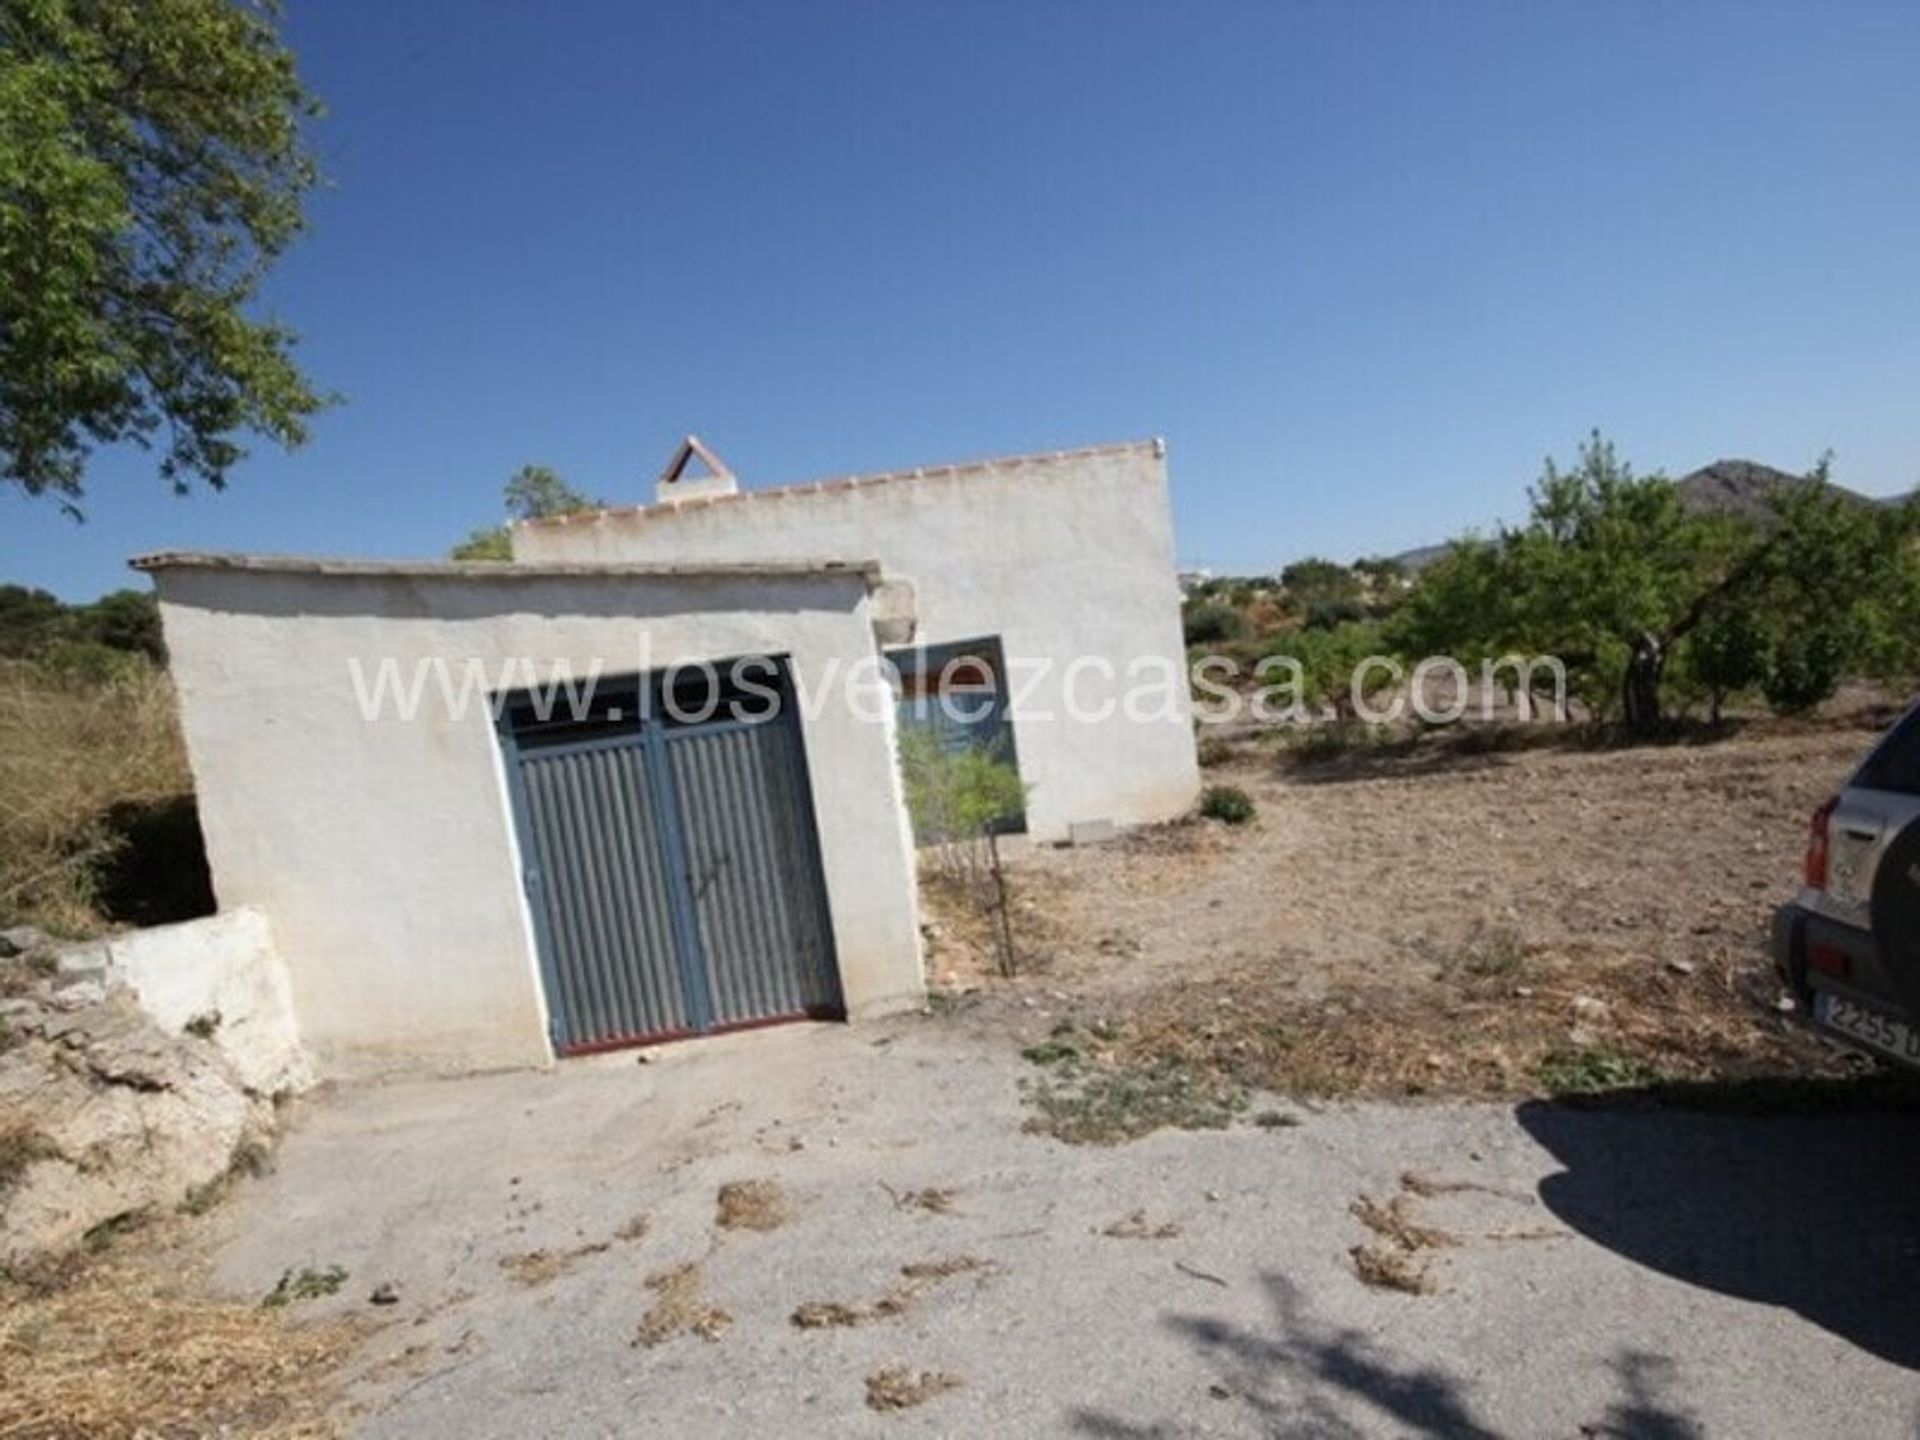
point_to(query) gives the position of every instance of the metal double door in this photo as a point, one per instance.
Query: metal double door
(674, 875)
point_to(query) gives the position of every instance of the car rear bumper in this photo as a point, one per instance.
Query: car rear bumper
(1815, 953)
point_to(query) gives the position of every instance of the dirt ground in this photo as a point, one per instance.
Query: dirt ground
(1377, 865)
(1432, 921)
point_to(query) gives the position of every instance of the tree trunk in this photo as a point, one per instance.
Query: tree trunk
(1640, 687)
(1002, 913)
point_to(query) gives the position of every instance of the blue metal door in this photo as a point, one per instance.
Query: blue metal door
(674, 875)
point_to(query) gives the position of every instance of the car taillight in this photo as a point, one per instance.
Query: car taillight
(1817, 845)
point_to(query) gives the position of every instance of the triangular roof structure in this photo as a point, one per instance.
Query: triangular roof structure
(691, 449)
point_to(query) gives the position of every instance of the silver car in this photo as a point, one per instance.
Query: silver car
(1849, 944)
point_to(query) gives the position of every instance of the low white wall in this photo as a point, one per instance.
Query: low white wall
(1068, 558)
(224, 970)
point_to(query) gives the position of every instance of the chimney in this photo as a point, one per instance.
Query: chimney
(694, 473)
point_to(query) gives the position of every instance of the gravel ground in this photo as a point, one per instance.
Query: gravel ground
(1617, 1274)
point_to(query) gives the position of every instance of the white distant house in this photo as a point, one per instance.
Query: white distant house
(491, 817)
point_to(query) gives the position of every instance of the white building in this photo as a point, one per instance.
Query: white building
(493, 813)
(1054, 570)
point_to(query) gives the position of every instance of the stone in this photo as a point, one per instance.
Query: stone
(1091, 832)
(78, 994)
(89, 959)
(133, 1120)
(21, 940)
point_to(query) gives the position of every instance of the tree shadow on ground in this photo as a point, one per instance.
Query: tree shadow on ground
(1818, 1213)
(1316, 1381)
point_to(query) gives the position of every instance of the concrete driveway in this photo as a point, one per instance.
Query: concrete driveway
(1617, 1274)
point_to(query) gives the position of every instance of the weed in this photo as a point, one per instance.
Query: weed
(1106, 1104)
(1593, 1070)
(1488, 952)
(109, 1230)
(204, 1025)
(1051, 1052)
(1212, 751)
(1228, 804)
(305, 1284)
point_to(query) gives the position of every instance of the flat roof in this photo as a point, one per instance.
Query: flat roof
(1036, 458)
(499, 570)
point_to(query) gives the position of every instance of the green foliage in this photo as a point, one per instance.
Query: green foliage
(1615, 576)
(533, 492)
(1228, 804)
(152, 167)
(1329, 658)
(489, 544)
(94, 641)
(305, 1284)
(1315, 579)
(1594, 1070)
(537, 492)
(955, 795)
(1207, 623)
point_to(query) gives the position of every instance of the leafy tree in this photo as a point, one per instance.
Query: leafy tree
(1615, 576)
(125, 620)
(533, 492)
(152, 168)
(30, 620)
(1315, 580)
(1209, 624)
(1727, 653)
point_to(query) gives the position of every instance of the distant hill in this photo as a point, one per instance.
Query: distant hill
(1741, 487)
(1737, 487)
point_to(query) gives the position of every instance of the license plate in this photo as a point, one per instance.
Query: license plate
(1874, 1029)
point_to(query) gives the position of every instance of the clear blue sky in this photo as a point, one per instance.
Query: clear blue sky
(1362, 265)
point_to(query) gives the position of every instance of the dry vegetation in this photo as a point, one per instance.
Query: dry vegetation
(751, 1205)
(122, 1350)
(1438, 922)
(898, 1299)
(898, 1388)
(679, 1307)
(71, 752)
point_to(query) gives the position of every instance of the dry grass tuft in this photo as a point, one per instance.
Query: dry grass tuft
(537, 1267)
(916, 1278)
(1386, 1266)
(1137, 1227)
(678, 1307)
(944, 1269)
(1394, 1222)
(120, 1353)
(898, 1388)
(933, 1201)
(70, 751)
(751, 1205)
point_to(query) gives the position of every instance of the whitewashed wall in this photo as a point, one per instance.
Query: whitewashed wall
(1065, 557)
(385, 851)
(223, 971)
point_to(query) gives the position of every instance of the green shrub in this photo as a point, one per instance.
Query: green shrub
(1227, 803)
(1208, 624)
